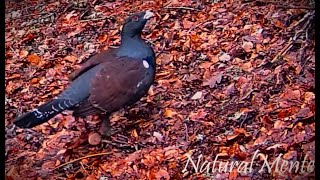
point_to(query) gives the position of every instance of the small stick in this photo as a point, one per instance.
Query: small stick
(97, 19)
(75, 160)
(162, 48)
(181, 7)
(187, 137)
(198, 25)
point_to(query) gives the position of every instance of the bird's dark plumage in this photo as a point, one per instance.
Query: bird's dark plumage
(107, 82)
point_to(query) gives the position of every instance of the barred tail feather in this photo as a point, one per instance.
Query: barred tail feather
(43, 113)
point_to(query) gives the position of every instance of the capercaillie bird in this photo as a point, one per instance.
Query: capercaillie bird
(108, 81)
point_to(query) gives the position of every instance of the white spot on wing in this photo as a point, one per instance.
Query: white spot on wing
(145, 64)
(139, 84)
(54, 108)
(60, 106)
(37, 113)
(65, 103)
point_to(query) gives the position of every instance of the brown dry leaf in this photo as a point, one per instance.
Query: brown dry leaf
(247, 67)
(70, 16)
(92, 177)
(206, 65)
(34, 59)
(305, 112)
(291, 95)
(134, 133)
(171, 153)
(200, 114)
(34, 80)
(197, 95)
(48, 165)
(260, 140)
(291, 155)
(158, 136)
(247, 46)
(12, 173)
(28, 37)
(233, 174)
(278, 24)
(213, 81)
(279, 124)
(62, 151)
(231, 89)
(187, 24)
(103, 38)
(169, 113)
(72, 59)
(309, 97)
(162, 174)
(177, 25)
(23, 54)
(13, 76)
(224, 57)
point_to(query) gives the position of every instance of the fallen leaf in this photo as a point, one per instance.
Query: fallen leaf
(200, 114)
(231, 89)
(162, 174)
(247, 46)
(247, 67)
(34, 59)
(197, 95)
(213, 81)
(158, 136)
(224, 57)
(103, 38)
(23, 54)
(72, 59)
(169, 113)
(48, 165)
(34, 80)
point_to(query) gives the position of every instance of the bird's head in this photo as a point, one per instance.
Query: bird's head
(135, 23)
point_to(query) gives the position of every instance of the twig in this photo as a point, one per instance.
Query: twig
(84, 169)
(75, 160)
(283, 51)
(301, 20)
(97, 19)
(293, 39)
(187, 137)
(181, 7)
(304, 64)
(162, 48)
(200, 24)
(245, 118)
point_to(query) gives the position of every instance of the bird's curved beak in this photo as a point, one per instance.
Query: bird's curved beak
(148, 15)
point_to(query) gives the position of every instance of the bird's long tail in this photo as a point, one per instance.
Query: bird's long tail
(43, 113)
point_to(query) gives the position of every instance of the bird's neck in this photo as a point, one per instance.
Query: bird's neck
(136, 47)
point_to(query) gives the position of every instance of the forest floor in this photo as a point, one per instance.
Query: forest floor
(233, 78)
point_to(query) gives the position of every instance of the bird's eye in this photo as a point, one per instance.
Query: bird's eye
(135, 18)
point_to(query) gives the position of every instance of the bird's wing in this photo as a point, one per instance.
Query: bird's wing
(94, 61)
(117, 84)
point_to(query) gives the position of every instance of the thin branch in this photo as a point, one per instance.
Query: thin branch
(200, 24)
(75, 160)
(162, 48)
(181, 7)
(97, 19)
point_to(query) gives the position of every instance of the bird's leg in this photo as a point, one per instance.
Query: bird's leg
(105, 128)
